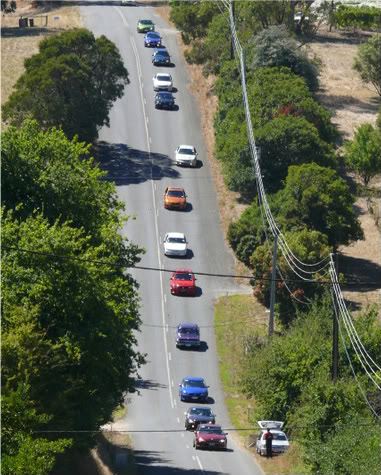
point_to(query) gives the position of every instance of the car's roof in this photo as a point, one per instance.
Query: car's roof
(189, 378)
(164, 94)
(143, 20)
(180, 235)
(186, 271)
(191, 147)
(173, 188)
(152, 33)
(163, 75)
(188, 325)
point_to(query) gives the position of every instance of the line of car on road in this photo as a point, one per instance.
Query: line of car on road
(200, 419)
(207, 434)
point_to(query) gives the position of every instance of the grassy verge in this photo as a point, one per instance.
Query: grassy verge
(237, 318)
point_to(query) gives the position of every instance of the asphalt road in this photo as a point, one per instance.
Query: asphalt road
(138, 151)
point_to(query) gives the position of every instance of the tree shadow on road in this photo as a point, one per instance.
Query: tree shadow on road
(149, 384)
(153, 463)
(126, 165)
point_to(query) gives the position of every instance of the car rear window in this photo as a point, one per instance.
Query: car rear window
(183, 276)
(186, 151)
(194, 384)
(176, 194)
(211, 430)
(201, 412)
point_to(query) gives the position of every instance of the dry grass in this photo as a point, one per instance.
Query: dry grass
(20, 43)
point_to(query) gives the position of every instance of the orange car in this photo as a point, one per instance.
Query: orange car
(175, 198)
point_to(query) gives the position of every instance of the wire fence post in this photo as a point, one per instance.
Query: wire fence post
(335, 331)
(272, 295)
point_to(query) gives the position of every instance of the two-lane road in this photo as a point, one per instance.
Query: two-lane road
(138, 151)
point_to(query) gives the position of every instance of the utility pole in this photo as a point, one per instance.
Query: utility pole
(232, 42)
(272, 295)
(335, 332)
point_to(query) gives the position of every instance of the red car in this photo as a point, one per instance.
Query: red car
(210, 436)
(183, 282)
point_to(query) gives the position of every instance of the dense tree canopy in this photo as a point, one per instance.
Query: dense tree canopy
(72, 82)
(70, 308)
(47, 172)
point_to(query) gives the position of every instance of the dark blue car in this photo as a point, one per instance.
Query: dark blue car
(152, 39)
(164, 100)
(161, 57)
(193, 389)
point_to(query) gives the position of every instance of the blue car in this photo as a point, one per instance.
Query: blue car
(152, 38)
(160, 57)
(193, 389)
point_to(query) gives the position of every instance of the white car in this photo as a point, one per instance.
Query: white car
(186, 155)
(280, 442)
(175, 244)
(162, 82)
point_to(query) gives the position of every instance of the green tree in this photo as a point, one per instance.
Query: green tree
(75, 341)
(72, 82)
(193, 18)
(23, 452)
(274, 47)
(287, 141)
(316, 198)
(45, 171)
(309, 247)
(368, 64)
(363, 154)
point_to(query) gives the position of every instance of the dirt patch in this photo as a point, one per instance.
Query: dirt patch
(351, 103)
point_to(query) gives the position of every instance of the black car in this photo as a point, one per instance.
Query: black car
(164, 100)
(198, 415)
(161, 57)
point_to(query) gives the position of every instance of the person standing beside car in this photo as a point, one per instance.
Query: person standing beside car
(269, 443)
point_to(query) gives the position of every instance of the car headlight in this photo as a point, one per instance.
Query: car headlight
(222, 441)
(191, 421)
(201, 439)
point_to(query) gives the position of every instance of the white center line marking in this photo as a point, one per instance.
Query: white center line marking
(199, 464)
(178, 420)
(173, 384)
(187, 446)
(169, 356)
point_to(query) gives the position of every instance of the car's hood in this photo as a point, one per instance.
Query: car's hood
(163, 83)
(190, 390)
(207, 436)
(172, 199)
(200, 418)
(183, 283)
(175, 246)
(184, 156)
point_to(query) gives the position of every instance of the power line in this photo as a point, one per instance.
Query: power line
(208, 274)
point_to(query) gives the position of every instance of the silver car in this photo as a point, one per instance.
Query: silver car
(186, 155)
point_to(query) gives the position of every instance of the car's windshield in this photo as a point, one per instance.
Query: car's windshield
(164, 95)
(189, 331)
(201, 412)
(163, 78)
(186, 151)
(152, 34)
(183, 276)
(194, 384)
(176, 239)
(211, 430)
(162, 53)
(176, 194)
(146, 22)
